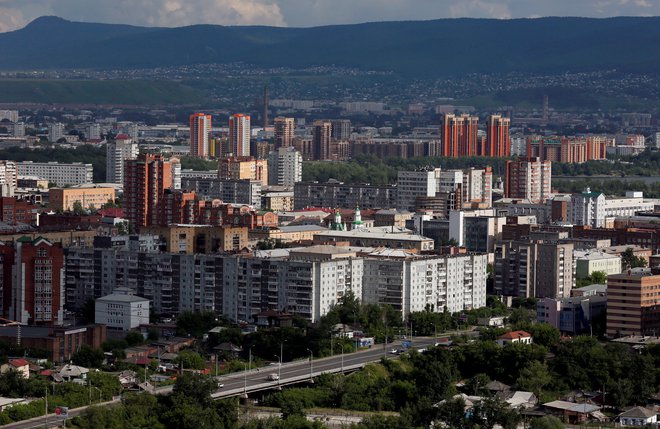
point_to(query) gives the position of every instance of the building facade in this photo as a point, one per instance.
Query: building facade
(284, 129)
(239, 134)
(284, 167)
(534, 269)
(243, 168)
(58, 173)
(337, 194)
(528, 180)
(633, 303)
(33, 282)
(121, 310)
(119, 150)
(65, 199)
(200, 129)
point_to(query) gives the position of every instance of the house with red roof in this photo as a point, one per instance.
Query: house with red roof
(19, 365)
(513, 337)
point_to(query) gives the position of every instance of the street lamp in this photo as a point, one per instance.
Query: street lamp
(311, 365)
(279, 368)
(245, 381)
(250, 360)
(342, 358)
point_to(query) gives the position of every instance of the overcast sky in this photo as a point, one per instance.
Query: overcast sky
(15, 14)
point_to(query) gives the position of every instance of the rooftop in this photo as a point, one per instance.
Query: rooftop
(639, 413)
(375, 235)
(116, 297)
(572, 406)
(515, 335)
(593, 255)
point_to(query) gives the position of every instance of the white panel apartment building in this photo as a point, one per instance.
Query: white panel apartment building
(593, 208)
(8, 178)
(61, 174)
(412, 283)
(413, 184)
(304, 281)
(284, 167)
(117, 152)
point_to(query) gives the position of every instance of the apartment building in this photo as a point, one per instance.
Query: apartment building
(633, 303)
(228, 191)
(284, 167)
(529, 180)
(534, 269)
(337, 194)
(65, 199)
(58, 173)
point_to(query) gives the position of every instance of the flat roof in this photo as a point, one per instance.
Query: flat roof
(122, 298)
(374, 235)
(302, 228)
(593, 255)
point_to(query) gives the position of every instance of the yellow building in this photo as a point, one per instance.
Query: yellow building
(244, 168)
(201, 238)
(63, 199)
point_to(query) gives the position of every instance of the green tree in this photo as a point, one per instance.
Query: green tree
(291, 406)
(545, 335)
(189, 359)
(629, 260)
(195, 387)
(78, 208)
(134, 338)
(598, 277)
(547, 422)
(88, 357)
(534, 377)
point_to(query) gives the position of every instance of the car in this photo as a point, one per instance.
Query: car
(394, 352)
(221, 385)
(273, 377)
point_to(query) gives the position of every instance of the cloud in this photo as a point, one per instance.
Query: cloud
(10, 19)
(305, 13)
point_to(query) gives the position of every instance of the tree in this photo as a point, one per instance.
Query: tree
(189, 359)
(196, 387)
(547, 422)
(291, 406)
(534, 377)
(545, 335)
(134, 338)
(88, 357)
(477, 385)
(78, 208)
(598, 277)
(629, 260)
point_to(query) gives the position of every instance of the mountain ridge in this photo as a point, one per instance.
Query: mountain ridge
(425, 49)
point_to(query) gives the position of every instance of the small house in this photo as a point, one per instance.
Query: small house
(638, 416)
(515, 337)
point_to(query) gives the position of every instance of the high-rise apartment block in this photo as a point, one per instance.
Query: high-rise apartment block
(284, 128)
(322, 138)
(498, 139)
(341, 129)
(459, 135)
(229, 191)
(32, 281)
(337, 194)
(413, 184)
(239, 134)
(145, 180)
(8, 178)
(633, 303)
(243, 168)
(119, 150)
(55, 132)
(534, 269)
(568, 149)
(304, 281)
(200, 128)
(284, 167)
(529, 179)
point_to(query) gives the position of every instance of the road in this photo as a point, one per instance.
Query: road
(240, 383)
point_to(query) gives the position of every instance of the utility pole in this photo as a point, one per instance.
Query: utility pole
(46, 408)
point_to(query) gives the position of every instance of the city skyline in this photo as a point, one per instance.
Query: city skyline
(15, 14)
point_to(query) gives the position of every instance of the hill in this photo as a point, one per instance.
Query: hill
(433, 48)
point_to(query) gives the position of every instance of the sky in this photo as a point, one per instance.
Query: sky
(15, 14)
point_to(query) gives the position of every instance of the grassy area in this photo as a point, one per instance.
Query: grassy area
(96, 92)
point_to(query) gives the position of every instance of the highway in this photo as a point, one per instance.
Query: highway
(239, 383)
(255, 380)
